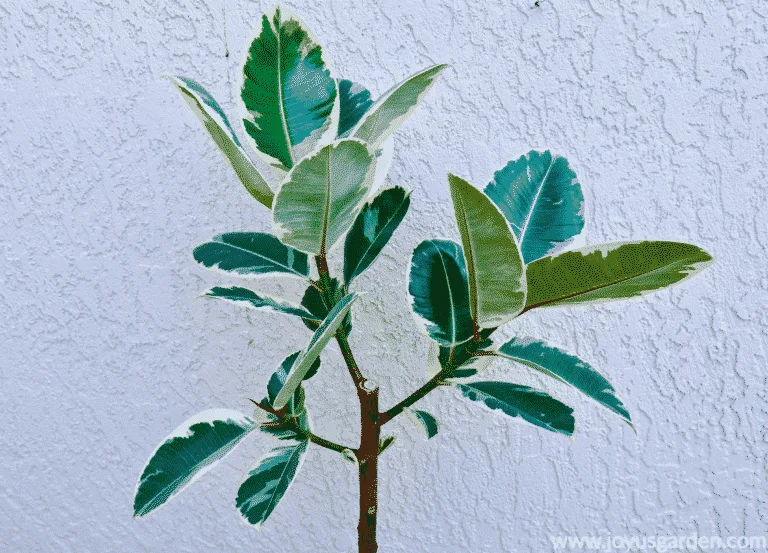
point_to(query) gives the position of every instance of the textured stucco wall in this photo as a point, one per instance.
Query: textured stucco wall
(108, 182)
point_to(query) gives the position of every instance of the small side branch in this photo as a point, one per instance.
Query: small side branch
(291, 423)
(392, 412)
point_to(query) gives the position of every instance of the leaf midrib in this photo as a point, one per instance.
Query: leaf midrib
(524, 228)
(173, 486)
(471, 267)
(327, 213)
(364, 255)
(450, 294)
(614, 283)
(280, 99)
(262, 256)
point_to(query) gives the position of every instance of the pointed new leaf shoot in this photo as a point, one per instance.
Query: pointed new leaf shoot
(210, 114)
(372, 229)
(385, 442)
(514, 400)
(321, 196)
(394, 107)
(542, 200)
(494, 263)
(303, 364)
(424, 422)
(567, 368)
(608, 272)
(251, 254)
(268, 481)
(251, 299)
(288, 92)
(354, 102)
(439, 293)
(185, 455)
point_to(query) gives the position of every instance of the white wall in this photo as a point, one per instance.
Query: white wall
(108, 182)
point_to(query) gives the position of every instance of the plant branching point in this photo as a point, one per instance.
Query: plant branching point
(328, 141)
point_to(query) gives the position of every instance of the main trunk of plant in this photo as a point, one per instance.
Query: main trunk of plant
(368, 456)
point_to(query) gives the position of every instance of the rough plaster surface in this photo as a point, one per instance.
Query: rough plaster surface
(108, 182)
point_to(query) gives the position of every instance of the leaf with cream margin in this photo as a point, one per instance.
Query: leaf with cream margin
(250, 254)
(288, 92)
(354, 102)
(254, 300)
(566, 368)
(372, 229)
(303, 364)
(425, 423)
(185, 455)
(515, 400)
(613, 271)
(495, 267)
(541, 198)
(439, 293)
(269, 480)
(394, 107)
(321, 196)
(210, 114)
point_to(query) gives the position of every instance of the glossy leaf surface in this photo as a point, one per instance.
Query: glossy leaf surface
(251, 254)
(288, 92)
(320, 198)
(495, 268)
(565, 367)
(515, 400)
(439, 293)
(210, 114)
(540, 197)
(192, 449)
(608, 272)
(372, 229)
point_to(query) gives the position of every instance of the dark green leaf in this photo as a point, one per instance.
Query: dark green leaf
(314, 302)
(288, 92)
(439, 291)
(542, 200)
(251, 253)
(521, 401)
(608, 272)
(424, 422)
(385, 442)
(186, 454)
(268, 481)
(461, 361)
(567, 368)
(354, 102)
(249, 298)
(277, 381)
(372, 229)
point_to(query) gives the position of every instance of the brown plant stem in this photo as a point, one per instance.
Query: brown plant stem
(370, 429)
(368, 458)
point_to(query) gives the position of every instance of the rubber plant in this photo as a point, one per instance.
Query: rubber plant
(328, 146)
